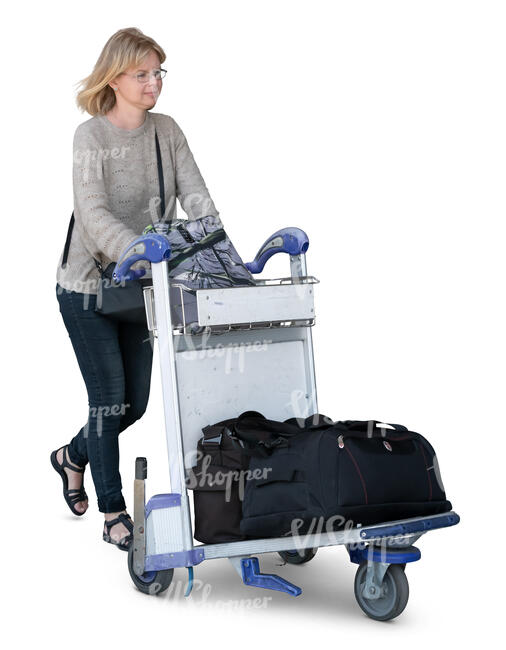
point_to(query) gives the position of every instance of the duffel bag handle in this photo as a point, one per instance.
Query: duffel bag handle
(252, 425)
(262, 434)
(371, 425)
(374, 429)
(312, 422)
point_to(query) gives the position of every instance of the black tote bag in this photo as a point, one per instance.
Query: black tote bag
(124, 301)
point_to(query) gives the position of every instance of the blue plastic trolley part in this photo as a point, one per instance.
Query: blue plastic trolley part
(164, 561)
(410, 527)
(293, 241)
(189, 586)
(152, 247)
(252, 577)
(362, 553)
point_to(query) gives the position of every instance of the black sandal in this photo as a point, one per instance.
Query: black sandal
(125, 542)
(74, 495)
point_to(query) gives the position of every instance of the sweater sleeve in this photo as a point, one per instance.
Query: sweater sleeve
(191, 190)
(102, 233)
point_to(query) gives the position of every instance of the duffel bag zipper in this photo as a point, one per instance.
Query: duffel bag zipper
(340, 442)
(386, 443)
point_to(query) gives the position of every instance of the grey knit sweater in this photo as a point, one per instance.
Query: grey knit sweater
(116, 191)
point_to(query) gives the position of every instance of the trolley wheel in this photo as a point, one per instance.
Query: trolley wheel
(298, 557)
(150, 582)
(393, 599)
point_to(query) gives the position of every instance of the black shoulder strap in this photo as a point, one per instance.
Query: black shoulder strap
(67, 242)
(160, 176)
(67, 246)
(162, 205)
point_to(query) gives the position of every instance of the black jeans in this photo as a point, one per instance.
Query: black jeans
(115, 360)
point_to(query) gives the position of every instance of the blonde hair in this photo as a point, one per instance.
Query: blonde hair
(126, 48)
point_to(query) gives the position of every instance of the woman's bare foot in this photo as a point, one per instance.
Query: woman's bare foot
(75, 478)
(119, 530)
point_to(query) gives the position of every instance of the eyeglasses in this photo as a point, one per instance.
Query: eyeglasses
(143, 77)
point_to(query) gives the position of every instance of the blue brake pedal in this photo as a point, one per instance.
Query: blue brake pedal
(189, 586)
(252, 577)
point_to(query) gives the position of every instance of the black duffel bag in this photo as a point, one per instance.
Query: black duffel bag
(215, 481)
(349, 473)
(221, 474)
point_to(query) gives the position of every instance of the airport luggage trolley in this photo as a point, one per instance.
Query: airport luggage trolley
(251, 350)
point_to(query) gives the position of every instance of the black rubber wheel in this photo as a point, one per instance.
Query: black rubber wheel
(298, 557)
(395, 593)
(151, 582)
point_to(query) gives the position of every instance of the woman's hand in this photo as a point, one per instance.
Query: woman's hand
(142, 264)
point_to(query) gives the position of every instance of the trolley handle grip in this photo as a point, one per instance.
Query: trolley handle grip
(293, 241)
(151, 247)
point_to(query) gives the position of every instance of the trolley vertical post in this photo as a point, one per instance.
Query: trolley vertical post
(298, 270)
(161, 289)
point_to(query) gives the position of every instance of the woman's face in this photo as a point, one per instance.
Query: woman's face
(131, 91)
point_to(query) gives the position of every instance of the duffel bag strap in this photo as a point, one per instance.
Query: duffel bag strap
(206, 242)
(213, 433)
(212, 438)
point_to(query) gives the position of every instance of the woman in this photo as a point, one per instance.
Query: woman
(116, 195)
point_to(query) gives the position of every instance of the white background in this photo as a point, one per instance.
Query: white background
(378, 128)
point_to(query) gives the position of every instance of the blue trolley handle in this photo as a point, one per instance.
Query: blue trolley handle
(293, 241)
(152, 247)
